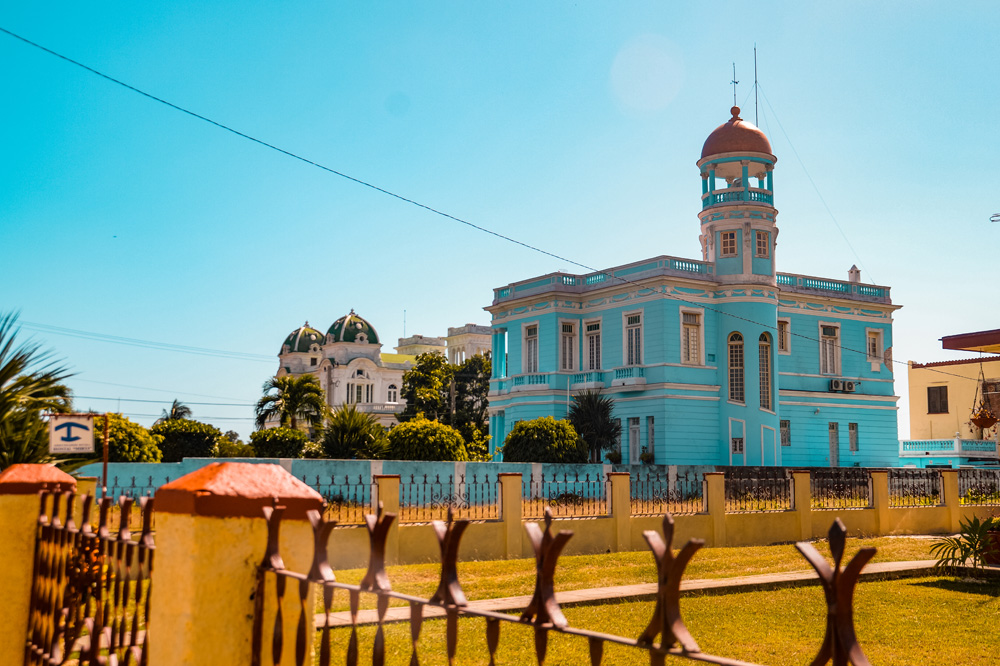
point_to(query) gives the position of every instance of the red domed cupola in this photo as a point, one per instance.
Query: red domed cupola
(736, 136)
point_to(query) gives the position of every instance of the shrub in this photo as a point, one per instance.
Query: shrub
(972, 546)
(544, 440)
(477, 445)
(354, 434)
(278, 443)
(183, 438)
(127, 441)
(313, 451)
(234, 449)
(420, 439)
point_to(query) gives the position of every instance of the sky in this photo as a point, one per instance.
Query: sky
(571, 127)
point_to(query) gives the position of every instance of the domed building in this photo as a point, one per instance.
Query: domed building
(720, 360)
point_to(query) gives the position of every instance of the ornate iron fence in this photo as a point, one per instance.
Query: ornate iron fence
(576, 497)
(840, 488)
(914, 487)
(90, 588)
(979, 486)
(757, 489)
(347, 498)
(276, 585)
(423, 499)
(657, 493)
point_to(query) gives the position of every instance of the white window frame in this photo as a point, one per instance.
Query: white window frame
(529, 361)
(766, 372)
(626, 327)
(700, 352)
(574, 352)
(588, 358)
(722, 243)
(786, 339)
(879, 336)
(634, 425)
(756, 244)
(823, 370)
(743, 437)
(392, 393)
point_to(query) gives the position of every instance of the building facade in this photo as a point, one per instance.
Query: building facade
(720, 360)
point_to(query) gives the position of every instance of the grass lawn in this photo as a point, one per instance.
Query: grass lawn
(508, 578)
(930, 620)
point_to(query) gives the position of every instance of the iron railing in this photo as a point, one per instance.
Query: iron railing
(914, 487)
(656, 493)
(284, 598)
(979, 486)
(840, 488)
(757, 489)
(347, 498)
(90, 588)
(424, 498)
(569, 496)
(130, 486)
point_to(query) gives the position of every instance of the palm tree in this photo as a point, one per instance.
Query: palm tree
(354, 434)
(30, 384)
(290, 399)
(178, 410)
(591, 416)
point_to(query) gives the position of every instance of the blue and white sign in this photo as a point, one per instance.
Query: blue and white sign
(71, 433)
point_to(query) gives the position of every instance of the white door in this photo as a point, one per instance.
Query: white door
(834, 445)
(633, 440)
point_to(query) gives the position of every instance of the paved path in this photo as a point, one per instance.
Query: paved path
(640, 592)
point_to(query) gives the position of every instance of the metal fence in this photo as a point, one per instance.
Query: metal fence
(979, 486)
(914, 487)
(130, 486)
(758, 489)
(840, 488)
(90, 585)
(423, 498)
(567, 495)
(657, 493)
(348, 498)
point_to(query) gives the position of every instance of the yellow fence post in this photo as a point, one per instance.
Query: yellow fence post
(511, 513)
(387, 491)
(880, 501)
(951, 498)
(20, 507)
(621, 510)
(210, 539)
(715, 500)
(803, 502)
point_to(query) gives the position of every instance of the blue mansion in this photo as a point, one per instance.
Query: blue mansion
(722, 361)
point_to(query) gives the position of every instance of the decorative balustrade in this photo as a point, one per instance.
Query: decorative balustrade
(530, 380)
(380, 407)
(970, 448)
(591, 377)
(814, 284)
(630, 372)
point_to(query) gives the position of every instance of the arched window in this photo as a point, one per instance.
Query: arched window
(764, 348)
(361, 389)
(736, 393)
(393, 393)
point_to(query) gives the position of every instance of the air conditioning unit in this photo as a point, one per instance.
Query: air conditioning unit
(836, 384)
(851, 387)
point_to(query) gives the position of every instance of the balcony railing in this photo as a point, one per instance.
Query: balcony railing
(812, 284)
(966, 448)
(592, 377)
(736, 195)
(380, 407)
(530, 380)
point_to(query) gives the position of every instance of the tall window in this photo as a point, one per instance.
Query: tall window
(633, 338)
(568, 346)
(633, 439)
(650, 434)
(786, 432)
(594, 345)
(691, 338)
(393, 393)
(937, 399)
(728, 243)
(531, 348)
(762, 245)
(874, 339)
(784, 341)
(764, 354)
(852, 432)
(736, 393)
(829, 350)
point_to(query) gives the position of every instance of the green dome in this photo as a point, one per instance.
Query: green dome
(302, 338)
(350, 327)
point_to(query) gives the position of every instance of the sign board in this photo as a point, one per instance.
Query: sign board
(71, 433)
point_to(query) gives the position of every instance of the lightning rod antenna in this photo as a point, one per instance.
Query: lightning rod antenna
(756, 121)
(734, 82)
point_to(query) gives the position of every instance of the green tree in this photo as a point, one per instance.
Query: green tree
(127, 441)
(292, 401)
(353, 434)
(592, 416)
(231, 446)
(184, 438)
(278, 442)
(423, 439)
(31, 383)
(471, 416)
(426, 387)
(178, 410)
(544, 440)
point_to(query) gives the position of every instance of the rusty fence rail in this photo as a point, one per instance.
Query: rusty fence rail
(567, 495)
(758, 489)
(348, 498)
(914, 487)
(979, 487)
(283, 603)
(90, 586)
(840, 488)
(425, 497)
(656, 493)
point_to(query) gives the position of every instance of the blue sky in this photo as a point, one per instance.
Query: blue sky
(574, 127)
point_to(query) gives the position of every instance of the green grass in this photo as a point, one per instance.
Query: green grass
(929, 620)
(508, 578)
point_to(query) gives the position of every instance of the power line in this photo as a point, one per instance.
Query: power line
(165, 402)
(214, 418)
(155, 390)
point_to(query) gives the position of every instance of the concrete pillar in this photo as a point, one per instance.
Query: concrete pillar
(387, 492)
(715, 503)
(880, 501)
(210, 539)
(950, 498)
(803, 502)
(511, 513)
(621, 510)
